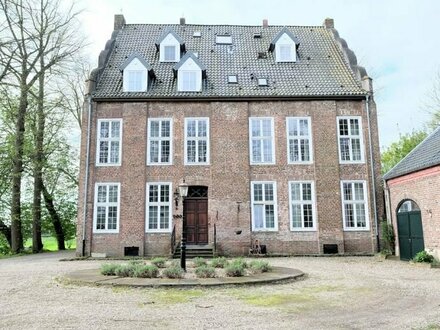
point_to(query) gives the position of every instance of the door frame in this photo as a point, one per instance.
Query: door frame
(197, 193)
(413, 241)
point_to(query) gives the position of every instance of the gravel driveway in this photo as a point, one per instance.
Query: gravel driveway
(337, 293)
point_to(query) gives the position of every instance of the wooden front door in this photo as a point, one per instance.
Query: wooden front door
(196, 216)
(409, 225)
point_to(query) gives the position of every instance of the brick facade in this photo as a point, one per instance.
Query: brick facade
(229, 175)
(422, 188)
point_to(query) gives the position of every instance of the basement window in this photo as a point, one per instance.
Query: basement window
(262, 81)
(232, 79)
(223, 40)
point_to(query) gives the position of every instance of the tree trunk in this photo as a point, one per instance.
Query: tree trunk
(37, 244)
(48, 200)
(17, 170)
(6, 230)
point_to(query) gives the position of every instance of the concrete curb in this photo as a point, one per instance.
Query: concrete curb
(93, 276)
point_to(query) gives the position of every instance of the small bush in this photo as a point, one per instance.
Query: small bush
(260, 266)
(205, 271)
(125, 270)
(159, 262)
(239, 262)
(173, 272)
(136, 262)
(109, 269)
(198, 261)
(234, 270)
(423, 256)
(220, 262)
(146, 271)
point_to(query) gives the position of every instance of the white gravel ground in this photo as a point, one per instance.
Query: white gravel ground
(337, 293)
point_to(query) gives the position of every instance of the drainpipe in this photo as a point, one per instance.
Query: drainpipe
(373, 177)
(86, 179)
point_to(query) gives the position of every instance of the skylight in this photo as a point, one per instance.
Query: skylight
(262, 81)
(197, 34)
(232, 79)
(257, 35)
(223, 40)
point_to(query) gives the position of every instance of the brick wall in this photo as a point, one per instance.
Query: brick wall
(422, 188)
(228, 176)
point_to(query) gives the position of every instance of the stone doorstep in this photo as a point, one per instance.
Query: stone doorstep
(92, 276)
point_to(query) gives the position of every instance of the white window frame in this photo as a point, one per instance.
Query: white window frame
(141, 82)
(264, 203)
(106, 205)
(186, 85)
(197, 138)
(174, 59)
(159, 204)
(272, 138)
(364, 201)
(299, 137)
(351, 137)
(160, 139)
(110, 140)
(302, 202)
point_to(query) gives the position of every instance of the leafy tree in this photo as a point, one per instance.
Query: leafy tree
(398, 150)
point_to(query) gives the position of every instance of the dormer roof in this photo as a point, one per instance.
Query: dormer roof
(165, 33)
(131, 58)
(284, 30)
(187, 56)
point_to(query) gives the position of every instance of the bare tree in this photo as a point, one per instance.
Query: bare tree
(39, 36)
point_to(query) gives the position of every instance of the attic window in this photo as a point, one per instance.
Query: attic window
(257, 35)
(262, 81)
(232, 79)
(169, 53)
(223, 40)
(197, 34)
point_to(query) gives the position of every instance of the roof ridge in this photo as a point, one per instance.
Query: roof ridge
(237, 25)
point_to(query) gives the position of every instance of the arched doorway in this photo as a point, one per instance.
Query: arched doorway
(409, 227)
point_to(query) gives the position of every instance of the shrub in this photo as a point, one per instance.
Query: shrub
(423, 256)
(234, 270)
(260, 266)
(239, 262)
(388, 236)
(109, 269)
(220, 262)
(135, 262)
(146, 271)
(159, 262)
(198, 261)
(173, 272)
(205, 271)
(125, 270)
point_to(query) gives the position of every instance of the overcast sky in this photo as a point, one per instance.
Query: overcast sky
(396, 40)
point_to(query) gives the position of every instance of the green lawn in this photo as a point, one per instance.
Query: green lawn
(50, 244)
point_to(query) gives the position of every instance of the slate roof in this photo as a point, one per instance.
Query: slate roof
(320, 70)
(425, 155)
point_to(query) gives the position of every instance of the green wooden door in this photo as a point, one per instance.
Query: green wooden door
(409, 226)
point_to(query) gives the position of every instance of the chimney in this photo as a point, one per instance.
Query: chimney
(329, 23)
(119, 22)
(182, 21)
(367, 84)
(265, 23)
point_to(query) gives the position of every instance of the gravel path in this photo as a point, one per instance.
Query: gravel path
(337, 293)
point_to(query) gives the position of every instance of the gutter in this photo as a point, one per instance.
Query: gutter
(86, 179)
(230, 98)
(373, 177)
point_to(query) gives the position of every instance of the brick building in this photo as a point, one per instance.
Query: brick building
(273, 128)
(412, 197)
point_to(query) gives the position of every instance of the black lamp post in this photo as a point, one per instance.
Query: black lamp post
(183, 192)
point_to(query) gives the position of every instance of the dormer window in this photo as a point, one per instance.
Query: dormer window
(284, 45)
(190, 73)
(170, 46)
(136, 74)
(169, 53)
(189, 81)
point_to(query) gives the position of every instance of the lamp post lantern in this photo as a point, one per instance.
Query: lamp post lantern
(183, 192)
